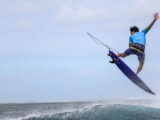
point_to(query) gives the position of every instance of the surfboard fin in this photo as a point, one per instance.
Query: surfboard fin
(112, 62)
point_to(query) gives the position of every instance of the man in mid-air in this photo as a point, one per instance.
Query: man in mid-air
(137, 42)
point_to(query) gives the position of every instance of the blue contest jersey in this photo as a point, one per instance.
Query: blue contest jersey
(139, 37)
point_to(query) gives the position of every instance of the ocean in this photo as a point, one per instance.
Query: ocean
(128, 109)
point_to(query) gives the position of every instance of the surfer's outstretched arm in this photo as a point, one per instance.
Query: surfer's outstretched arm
(156, 16)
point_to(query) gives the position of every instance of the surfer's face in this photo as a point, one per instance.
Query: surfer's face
(132, 32)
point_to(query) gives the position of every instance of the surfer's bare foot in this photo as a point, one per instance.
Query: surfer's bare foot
(137, 72)
(117, 55)
(121, 55)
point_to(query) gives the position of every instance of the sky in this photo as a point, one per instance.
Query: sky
(46, 55)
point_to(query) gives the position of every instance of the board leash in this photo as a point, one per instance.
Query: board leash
(101, 43)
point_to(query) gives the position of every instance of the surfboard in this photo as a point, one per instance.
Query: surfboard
(129, 73)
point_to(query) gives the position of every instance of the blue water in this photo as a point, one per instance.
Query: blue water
(106, 110)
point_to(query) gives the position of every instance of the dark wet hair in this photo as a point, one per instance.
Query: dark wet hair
(134, 29)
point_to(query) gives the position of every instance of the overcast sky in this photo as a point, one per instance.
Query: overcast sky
(46, 55)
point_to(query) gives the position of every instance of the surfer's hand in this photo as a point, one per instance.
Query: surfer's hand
(156, 16)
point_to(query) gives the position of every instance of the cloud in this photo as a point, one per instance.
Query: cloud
(138, 8)
(26, 6)
(121, 10)
(71, 14)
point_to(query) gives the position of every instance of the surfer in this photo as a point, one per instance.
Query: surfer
(137, 42)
